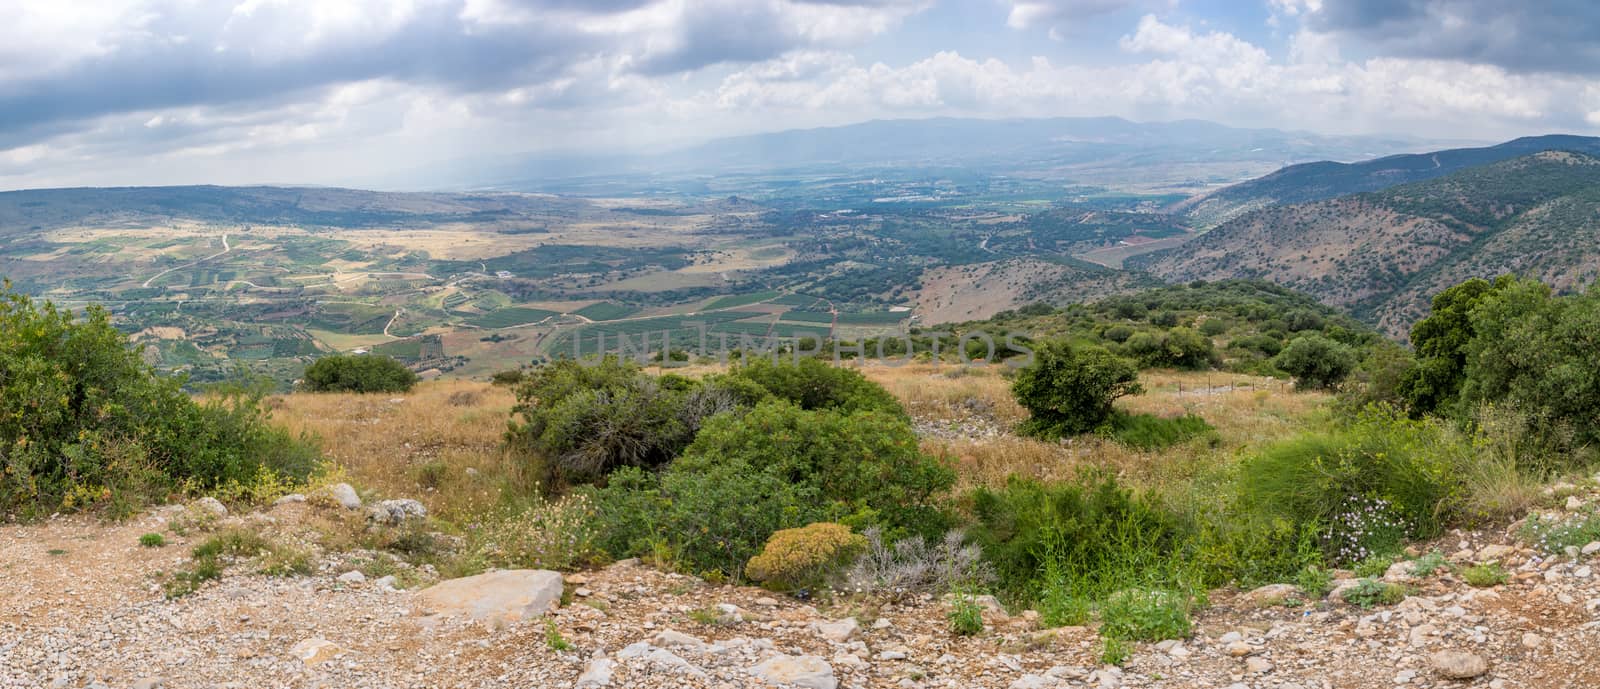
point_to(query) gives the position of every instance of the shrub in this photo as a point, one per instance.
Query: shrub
(776, 467)
(358, 373)
(1383, 479)
(1316, 362)
(813, 384)
(1145, 615)
(1081, 540)
(1370, 592)
(1485, 575)
(544, 534)
(1114, 651)
(1147, 432)
(507, 378)
(1554, 535)
(581, 422)
(1176, 348)
(916, 565)
(152, 540)
(1069, 390)
(805, 558)
(85, 422)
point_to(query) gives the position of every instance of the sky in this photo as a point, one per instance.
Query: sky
(375, 92)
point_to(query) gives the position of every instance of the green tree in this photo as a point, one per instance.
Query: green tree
(1069, 390)
(1440, 342)
(812, 383)
(1316, 361)
(358, 373)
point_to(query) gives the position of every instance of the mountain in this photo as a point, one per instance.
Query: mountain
(1327, 179)
(1192, 154)
(1384, 254)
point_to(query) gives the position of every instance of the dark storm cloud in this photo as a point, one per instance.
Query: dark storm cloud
(1524, 36)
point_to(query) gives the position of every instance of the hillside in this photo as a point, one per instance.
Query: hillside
(1326, 179)
(1383, 254)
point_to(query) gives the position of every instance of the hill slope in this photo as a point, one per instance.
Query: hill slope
(1326, 179)
(1383, 254)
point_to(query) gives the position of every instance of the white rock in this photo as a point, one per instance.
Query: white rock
(396, 512)
(289, 499)
(596, 674)
(1231, 638)
(1239, 649)
(659, 659)
(1531, 640)
(1591, 548)
(149, 683)
(353, 576)
(668, 638)
(1256, 665)
(1574, 503)
(316, 650)
(1494, 552)
(766, 602)
(495, 598)
(839, 631)
(345, 495)
(1271, 594)
(211, 506)
(807, 672)
(1458, 664)
(387, 583)
(1035, 682)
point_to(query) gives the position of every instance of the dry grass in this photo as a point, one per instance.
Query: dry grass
(439, 443)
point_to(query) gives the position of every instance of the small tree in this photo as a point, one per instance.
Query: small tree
(1316, 362)
(358, 373)
(1069, 390)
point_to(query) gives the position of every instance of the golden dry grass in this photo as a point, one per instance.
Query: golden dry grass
(418, 444)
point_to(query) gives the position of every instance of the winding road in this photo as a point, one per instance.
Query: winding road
(225, 249)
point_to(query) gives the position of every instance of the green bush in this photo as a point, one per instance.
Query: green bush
(1176, 348)
(776, 467)
(358, 373)
(966, 616)
(813, 384)
(1147, 432)
(1145, 615)
(1316, 362)
(1069, 390)
(85, 422)
(1485, 575)
(1382, 480)
(1077, 541)
(806, 557)
(152, 540)
(580, 422)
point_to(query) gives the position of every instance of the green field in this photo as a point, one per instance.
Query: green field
(605, 311)
(510, 317)
(873, 318)
(733, 300)
(808, 316)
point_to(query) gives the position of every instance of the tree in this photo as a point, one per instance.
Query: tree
(814, 384)
(1069, 390)
(1316, 362)
(1440, 342)
(358, 373)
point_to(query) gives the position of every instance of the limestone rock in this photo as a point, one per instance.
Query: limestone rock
(1458, 664)
(839, 631)
(345, 495)
(807, 672)
(495, 598)
(1271, 594)
(596, 674)
(353, 576)
(396, 512)
(316, 650)
(211, 506)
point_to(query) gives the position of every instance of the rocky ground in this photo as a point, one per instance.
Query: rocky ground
(81, 605)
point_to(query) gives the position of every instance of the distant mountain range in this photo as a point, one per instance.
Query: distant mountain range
(1327, 179)
(1383, 254)
(1091, 150)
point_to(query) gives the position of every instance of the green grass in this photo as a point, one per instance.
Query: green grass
(1485, 575)
(152, 540)
(1556, 535)
(733, 300)
(1370, 592)
(1147, 432)
(605, 311)
(553, 639)
(1145, 615)
(966, 616)
(808, 316)
(510, 316)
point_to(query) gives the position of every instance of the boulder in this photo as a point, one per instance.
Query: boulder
(807, 672)
(211, 506)
(316, 650)
(1270, 595)
(1458, 664)
(668, 638)
(396, 512)
(345, 495)
(495, 598)
(659, 659)
(353, 576)
(596, 674)
(839, 631)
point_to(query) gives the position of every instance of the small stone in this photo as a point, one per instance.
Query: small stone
(1532, 641)
(1494, 552)
(805, 672)
(387, 583)
(1239, 649)
(767, 602)
(596, 674)
(582, 592)
(316, 650)
(1270, 595)
(396, 512)
(1458, 664)
(495, 598)
(1034, 682)
(1574, 503)
(1230, 638)
(353, 576)
(1257, 665)
(891, 655)
(289, 499)
(839, 631)
(882, 623)
(149, 683)
(1591, 548)
(668, 638)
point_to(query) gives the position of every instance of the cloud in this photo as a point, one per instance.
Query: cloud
(1547, 36)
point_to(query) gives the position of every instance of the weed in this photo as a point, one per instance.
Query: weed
(1314, 581)
(1554, 535)
(553, 639)
(1427, 565)
(56, 551)
(966, 616)
(1485, 575)
(152, 540)
(1114, 651)
(1145, 615)
(1370, 592)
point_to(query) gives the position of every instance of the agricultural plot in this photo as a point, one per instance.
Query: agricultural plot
(605, 311)
(800, 301)
(874, 318)
(355, 319)
(808, 316)
(510, 317)
(735, 300)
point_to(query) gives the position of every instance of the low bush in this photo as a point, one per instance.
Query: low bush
(1069, 390)
(915, 565)
(1316, 362)
(1370, 592)
(358, 373)
(1485, 575)
(805, 558)
(1382, 480)
(85, 422)
(544, 534)
(966, 616)
(1145, 615)
(1148, 432)
(813, 384)
(776, 467)
(1554, 535)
